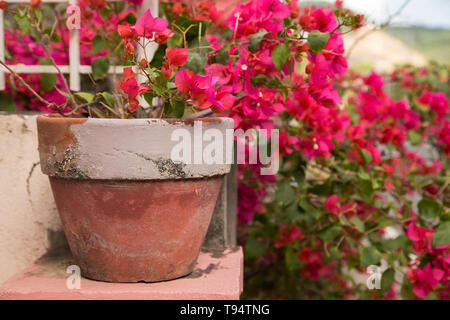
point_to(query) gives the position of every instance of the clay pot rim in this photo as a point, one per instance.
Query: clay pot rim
(57, 118)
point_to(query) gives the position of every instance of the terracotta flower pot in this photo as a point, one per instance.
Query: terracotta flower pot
(129, 212)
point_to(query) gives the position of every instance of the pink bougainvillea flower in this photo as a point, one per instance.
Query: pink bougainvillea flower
(331, 205)
(224, 99)
(288, 235)
(166, 69)
(130, 86)
(425, 280)
(162, 37)
(315, 268)
(275, 8)
(421, 238)
(248, 202)
(221, 72)
(126, 32)
(135, 2)
(199, 88)
(202, 90)
(177, 56)
(437, 101)
(183, 80)
(214, 41)
(288, 143)
(321, 19)
(146, 25)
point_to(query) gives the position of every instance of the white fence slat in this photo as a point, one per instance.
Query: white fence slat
(151, 48)
(74, 69)
(74, 56)
(83, 69)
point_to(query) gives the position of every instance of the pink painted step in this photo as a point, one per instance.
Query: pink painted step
(217, 275)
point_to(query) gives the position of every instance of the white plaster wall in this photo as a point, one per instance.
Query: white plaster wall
(29, 222)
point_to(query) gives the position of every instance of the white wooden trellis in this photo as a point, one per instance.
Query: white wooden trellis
(74, 69)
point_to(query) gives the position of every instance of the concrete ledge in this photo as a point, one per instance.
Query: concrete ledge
(217, 275)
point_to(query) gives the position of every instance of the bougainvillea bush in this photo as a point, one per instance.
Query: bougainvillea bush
(364, 170)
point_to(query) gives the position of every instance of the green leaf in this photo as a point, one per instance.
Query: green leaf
(175, 41)
(130, 18)
(7, 103)
(195, 61)
(407, 289)
(222, 55)
(254, 248)
(441, 235)
(100, 67)
(291, 260)
(86, 96)
(365, 188)
(140, 113)
(280, 55)
(329, 233)
(178, 109)
(48, 81)
(317, 40)
(255, 40)
(369, 256)
(428, 208)
(285, 194)
(292, 212)
(414, 137)
(387, 279)
(109, 98)
(366, 156)
(398, 243)
(363, 174)
(159, 56)
(357, 223)
(97, 44)
(148, 96)
(23, 22)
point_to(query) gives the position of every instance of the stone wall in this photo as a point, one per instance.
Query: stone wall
(29, 222)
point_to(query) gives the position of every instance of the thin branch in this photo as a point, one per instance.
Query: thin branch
(382, 26)
(22, 80)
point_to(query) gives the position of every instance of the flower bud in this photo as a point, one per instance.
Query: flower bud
(143, 63)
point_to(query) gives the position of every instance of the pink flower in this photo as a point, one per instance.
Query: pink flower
(224, 100)
(177, 56)
(437, 101)
(273, 8)
(321, 19)
(221, 72)
(147, 24)
(425, 280)
(162, 37)
(201, 89)
(288, 235)
(214, 41)
(130, 86)
(126, 32)
(330, 204)
(421, 238)
(248, 203)
(135, 2)
(315, 268)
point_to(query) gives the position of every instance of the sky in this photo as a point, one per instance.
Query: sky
(430, 13)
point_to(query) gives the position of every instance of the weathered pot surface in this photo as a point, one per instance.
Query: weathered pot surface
(129, 213)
